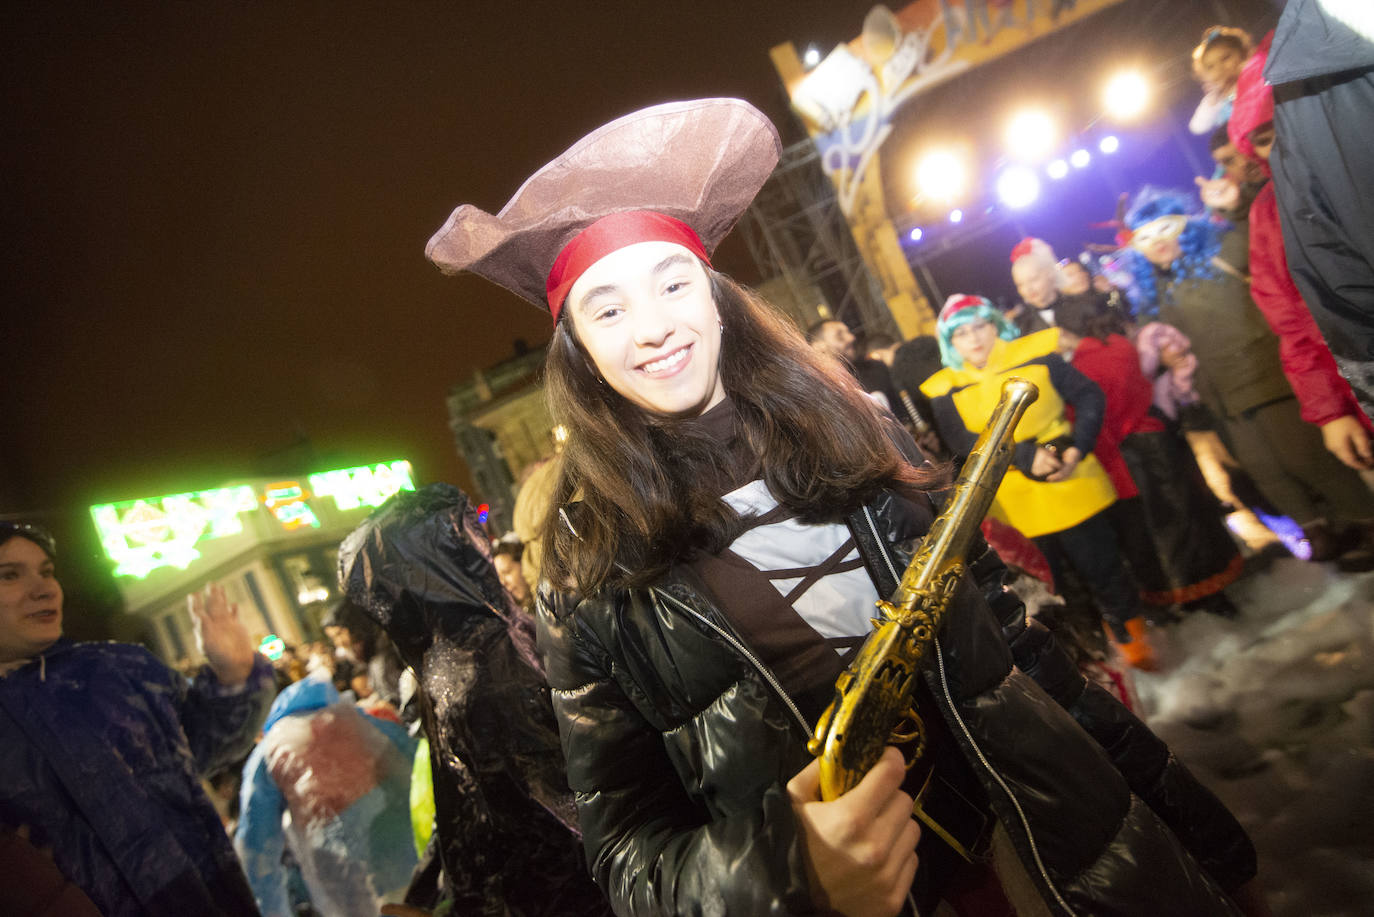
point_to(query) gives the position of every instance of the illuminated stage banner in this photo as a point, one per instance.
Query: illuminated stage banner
(849, 98)
(142, 535)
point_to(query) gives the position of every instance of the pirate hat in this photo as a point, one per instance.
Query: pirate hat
(681, 172)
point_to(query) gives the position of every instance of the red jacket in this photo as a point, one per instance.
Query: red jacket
(1323, 394)
(1114, 365)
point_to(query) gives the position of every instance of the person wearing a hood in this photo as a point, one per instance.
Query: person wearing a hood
(1324, 395)
(344, 777)
(1321, 68)
(104, 746)
(729, 507)
(505, 824)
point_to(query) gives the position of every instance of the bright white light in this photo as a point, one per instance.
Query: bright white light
(941, 176)
(310, 595)
(1057, 169)
(1030, 134)
(812, 57)
(956, 216)
(915, 235)
(1018, 187)
(1080, 158)
(1126, 95)
(1109, 144)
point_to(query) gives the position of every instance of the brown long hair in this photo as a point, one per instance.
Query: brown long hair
(645, 482)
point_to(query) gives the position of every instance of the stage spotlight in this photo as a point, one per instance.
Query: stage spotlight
(1057, 169)
(941, 176)
(1030, 134)
(1126, 95)
(956, 216)
(1109, 144)
(812, 57)
(1018, 187)
(915, 235)
(1080, 158)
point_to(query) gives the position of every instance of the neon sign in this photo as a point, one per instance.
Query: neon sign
(368, 485)
(286, 501)
(142, 535)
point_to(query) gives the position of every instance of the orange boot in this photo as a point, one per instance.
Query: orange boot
(1138, 653)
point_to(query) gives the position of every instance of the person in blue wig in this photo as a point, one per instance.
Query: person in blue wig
(1056, 493)
(1192, 272)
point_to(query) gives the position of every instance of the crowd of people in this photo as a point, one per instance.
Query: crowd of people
(733, 497)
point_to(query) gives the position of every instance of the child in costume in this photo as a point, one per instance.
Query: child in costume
(1195, 272)
(729, 506)
(1056, 493)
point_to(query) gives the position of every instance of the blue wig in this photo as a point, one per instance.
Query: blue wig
(955, 315)
(1200, 242)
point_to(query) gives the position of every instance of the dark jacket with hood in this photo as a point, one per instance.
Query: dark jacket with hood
(1322, 392)
(504, 817)
(1322, 73)
(102, 755)
(680, 742)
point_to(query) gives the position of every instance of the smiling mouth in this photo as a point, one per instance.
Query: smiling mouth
(666, 364)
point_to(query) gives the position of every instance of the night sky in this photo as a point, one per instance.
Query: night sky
(215, 214)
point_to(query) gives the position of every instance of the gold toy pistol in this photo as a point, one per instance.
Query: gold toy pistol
(874, 703)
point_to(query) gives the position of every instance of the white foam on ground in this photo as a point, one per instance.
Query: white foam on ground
(1275, 712)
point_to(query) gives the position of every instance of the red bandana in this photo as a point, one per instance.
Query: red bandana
(612, 233)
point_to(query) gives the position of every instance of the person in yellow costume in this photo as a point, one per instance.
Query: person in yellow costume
(1056, 491)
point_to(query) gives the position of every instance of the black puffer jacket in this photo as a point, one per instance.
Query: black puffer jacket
(679, 745)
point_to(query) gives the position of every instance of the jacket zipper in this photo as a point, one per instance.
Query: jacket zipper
(963, 727)
(744, 651)
(725, 635)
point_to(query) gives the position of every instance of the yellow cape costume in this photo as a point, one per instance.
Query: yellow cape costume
(1032, 507)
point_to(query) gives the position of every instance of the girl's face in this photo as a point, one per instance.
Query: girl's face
(1219, 67)
(1157, 240)
(974, 342)
(646, 317)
